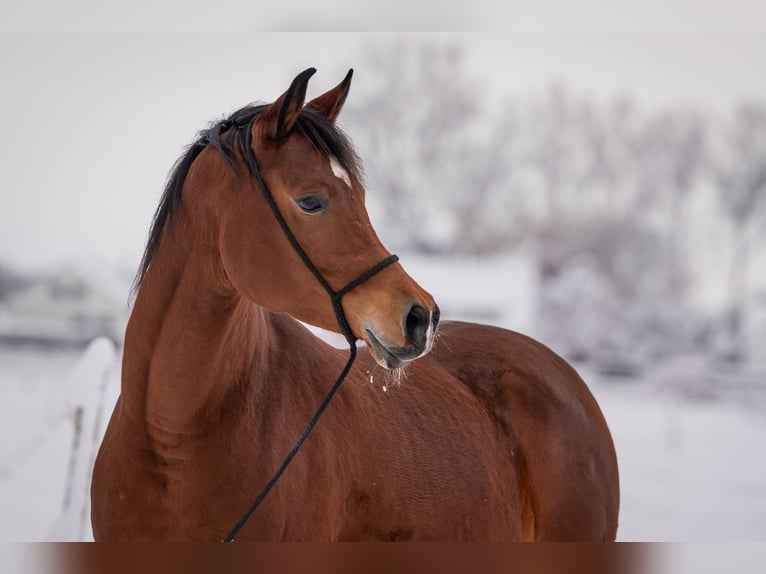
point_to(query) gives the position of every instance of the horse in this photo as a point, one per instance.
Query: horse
(488, 436)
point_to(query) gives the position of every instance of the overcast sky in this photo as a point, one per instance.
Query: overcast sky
(93, 122)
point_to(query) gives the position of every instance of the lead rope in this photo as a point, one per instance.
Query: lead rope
(340, 317)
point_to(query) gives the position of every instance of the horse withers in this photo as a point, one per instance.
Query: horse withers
(492, 436)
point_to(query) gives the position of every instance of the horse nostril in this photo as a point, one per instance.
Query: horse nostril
(416, 326)
(435, 316)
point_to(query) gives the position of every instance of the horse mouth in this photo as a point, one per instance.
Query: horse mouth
(393, 357)
(382, 355)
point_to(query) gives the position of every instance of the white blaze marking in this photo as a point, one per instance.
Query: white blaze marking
(339, 172)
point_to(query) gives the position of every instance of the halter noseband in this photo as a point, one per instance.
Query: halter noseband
(340, 317)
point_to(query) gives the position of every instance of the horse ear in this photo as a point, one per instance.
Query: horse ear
(330, 103)
(280, 117)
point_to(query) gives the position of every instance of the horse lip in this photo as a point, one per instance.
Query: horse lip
(395, 356)
(380, 351)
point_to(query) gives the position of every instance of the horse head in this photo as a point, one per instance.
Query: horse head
(315, 179)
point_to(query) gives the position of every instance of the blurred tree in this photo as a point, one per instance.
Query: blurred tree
(671, 164)
(614, 182)
(582, 156)
(740, 171)
(554, 133)
(439, 166)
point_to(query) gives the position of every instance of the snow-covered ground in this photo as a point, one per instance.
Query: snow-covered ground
(691, 470)
(44, 464)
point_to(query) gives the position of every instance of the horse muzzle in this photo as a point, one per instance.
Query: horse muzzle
(419, 326)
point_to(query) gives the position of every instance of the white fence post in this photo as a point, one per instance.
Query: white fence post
(87, 391)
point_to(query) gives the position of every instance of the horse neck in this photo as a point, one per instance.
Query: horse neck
(188, 344)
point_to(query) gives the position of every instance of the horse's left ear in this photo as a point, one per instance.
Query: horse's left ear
(330, 103)
(280, 117)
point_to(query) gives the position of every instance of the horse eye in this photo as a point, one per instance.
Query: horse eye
(312, 203)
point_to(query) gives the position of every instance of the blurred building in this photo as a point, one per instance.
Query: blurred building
(65, 309)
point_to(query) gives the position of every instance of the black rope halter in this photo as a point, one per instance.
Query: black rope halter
(340, 317)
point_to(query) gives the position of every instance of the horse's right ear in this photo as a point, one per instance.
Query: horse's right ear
(330, 103)
(279, 118)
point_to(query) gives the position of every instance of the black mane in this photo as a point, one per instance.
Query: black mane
(231, 136)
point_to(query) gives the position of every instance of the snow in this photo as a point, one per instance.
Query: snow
(689, 471)
(44, 480)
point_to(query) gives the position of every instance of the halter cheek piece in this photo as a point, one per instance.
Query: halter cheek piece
(340, 317)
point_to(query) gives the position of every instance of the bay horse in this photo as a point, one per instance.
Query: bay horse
(492, 437)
